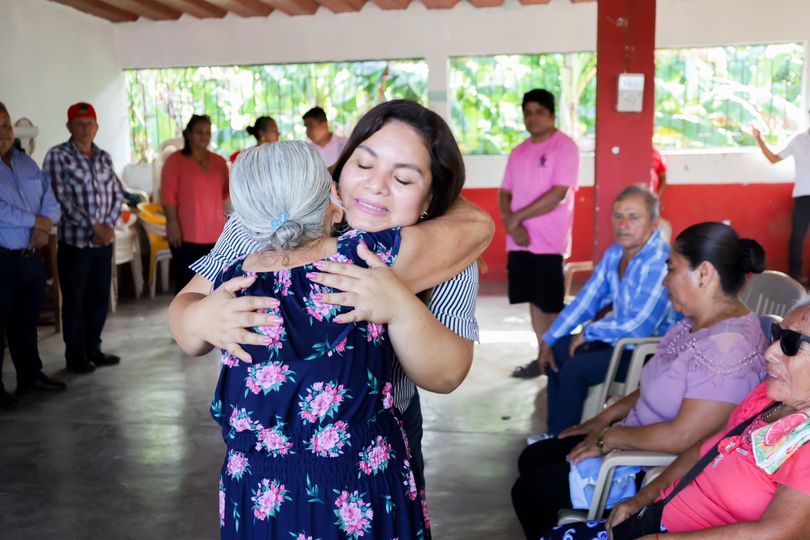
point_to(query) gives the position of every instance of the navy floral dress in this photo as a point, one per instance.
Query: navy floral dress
(315, 450)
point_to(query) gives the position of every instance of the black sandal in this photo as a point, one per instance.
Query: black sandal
(529, 371)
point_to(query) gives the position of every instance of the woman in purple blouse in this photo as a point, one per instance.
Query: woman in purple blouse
(705, 365)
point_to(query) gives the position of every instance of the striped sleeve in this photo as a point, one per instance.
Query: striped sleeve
(453, 303)
(233, 243)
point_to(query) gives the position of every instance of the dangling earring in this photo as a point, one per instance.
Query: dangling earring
(424, 216)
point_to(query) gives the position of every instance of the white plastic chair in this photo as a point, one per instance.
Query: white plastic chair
(772, 293)
(166, 149)
(599, 394)
(126, 249)
(615, 459)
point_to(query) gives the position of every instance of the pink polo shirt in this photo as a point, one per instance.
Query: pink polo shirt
(532, 170)
(199, 194)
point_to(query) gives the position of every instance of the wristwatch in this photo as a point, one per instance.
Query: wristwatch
(600, 442)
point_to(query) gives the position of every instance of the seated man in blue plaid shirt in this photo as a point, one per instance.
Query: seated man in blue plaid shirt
(628, 278)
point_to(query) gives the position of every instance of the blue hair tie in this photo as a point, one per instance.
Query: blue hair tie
(280, 220)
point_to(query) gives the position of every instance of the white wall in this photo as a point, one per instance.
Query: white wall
(464, 30)
(55, 56)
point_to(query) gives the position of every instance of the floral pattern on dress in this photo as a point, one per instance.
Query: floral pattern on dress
(385, 254)
(325, 348)
(329, 440)
(267, 498)
(240, 420)
(375, 457)
(227, 358)
(316, 310)
(409, 480)
(267, 377)
(282, 283)
(388, 396)
(274, 336)
(301, 536)
(238, 465)
(273, 440)
(375, 333)
(354, 513)
(221, 503)
(322, 400)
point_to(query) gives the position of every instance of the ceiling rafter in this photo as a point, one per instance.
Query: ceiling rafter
(100, 9)
(295, 7)
(440, 4)
(245, 8)
(342, 6)
(197, 8)
(151, 9)
(392, 4)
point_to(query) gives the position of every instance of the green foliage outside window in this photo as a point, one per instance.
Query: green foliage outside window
(162, 100)
(706, 98)
(709, 97)
(486, 93)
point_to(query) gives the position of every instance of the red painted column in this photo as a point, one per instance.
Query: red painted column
(625, 42)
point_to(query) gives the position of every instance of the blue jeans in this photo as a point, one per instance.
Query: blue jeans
(568, 387)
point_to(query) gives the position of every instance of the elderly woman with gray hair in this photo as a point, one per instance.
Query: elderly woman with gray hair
(315, 448)
(749, 480)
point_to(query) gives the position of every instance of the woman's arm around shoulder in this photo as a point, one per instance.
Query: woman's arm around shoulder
(434, 251)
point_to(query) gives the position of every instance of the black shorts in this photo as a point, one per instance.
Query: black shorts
(537, 279)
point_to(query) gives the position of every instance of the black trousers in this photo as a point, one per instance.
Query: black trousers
(184, 256)
(800, 222)
(542, 488)
(22, 287)
(84, 276)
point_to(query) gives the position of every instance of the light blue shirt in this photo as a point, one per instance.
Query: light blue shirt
(641, 305)
(25, 193)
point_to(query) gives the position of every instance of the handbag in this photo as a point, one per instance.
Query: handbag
(648, 519)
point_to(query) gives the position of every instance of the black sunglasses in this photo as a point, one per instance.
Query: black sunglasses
(789, 340)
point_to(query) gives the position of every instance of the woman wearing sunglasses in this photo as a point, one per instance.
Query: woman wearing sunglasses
(705, 365)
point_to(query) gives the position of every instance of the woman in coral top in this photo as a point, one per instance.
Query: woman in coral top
(757, 485)
(194, 188)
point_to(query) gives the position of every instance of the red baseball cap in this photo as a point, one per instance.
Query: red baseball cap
(81, 110)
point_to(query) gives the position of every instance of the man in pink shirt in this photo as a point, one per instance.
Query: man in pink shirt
(328, 145)
(537, 207)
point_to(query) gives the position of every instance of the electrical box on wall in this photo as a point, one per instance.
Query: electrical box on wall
(631, 92)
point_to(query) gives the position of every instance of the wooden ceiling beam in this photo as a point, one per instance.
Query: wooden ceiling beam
(392, 4)
(197, 8)
(151, 9)
(295, 7)
(440, 4)
(245, 8)
(100, 9)
(486, 3)
(342, 6)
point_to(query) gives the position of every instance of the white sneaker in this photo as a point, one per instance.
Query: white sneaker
(537, 437)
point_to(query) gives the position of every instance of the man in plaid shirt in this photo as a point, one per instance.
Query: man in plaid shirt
(90, 195)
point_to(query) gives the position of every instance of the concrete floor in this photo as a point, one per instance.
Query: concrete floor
(131, 452)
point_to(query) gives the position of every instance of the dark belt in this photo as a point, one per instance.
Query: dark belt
(26, 252)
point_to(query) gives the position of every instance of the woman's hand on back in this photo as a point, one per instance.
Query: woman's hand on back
(375, 293)
(223, 319)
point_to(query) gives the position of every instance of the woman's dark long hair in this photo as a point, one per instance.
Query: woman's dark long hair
(195, 119)
(733, 257)
(446, 164)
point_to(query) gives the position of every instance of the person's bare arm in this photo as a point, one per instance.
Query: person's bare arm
(544, 204)
(173, 232)
(438, 249)
(200, 321)
(787, 517)
(697, 419)
(772, 157)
